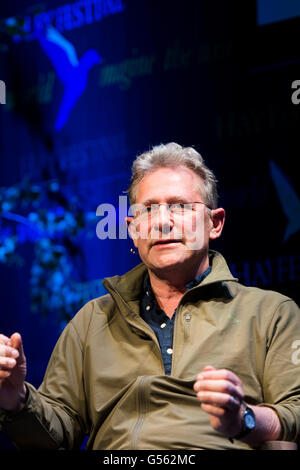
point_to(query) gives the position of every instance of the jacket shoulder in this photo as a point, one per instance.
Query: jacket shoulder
(265, 299)
(261, 293)
(99, 310)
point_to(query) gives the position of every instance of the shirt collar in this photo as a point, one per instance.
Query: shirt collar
(198, 279)
(148, 290)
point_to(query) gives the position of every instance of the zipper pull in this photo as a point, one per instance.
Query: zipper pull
(187, 324)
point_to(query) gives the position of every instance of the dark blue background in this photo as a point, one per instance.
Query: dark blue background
(212, 78)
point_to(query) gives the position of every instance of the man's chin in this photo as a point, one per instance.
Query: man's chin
(167, 262)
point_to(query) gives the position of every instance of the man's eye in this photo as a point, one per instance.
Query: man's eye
(146, 210)
(178, 206)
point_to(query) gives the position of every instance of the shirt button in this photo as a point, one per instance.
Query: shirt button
(169, 350)
(163, 325)
(148, 307)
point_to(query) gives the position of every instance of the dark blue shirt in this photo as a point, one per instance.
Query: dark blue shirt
(161, 324)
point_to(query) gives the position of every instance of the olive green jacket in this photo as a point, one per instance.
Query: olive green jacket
(106, 376)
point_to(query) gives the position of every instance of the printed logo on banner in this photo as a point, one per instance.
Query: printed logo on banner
(47, 27)
(72, 72)
(289, 200)
(63, 18)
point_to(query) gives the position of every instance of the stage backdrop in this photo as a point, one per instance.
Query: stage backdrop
(85, 86)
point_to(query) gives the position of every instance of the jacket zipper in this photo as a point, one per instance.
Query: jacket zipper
(142, 403)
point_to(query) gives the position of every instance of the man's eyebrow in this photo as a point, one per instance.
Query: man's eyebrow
(170, 200)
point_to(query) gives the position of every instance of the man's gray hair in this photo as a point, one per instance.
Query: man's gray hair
(170, 156)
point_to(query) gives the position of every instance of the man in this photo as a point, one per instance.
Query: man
(178, 355)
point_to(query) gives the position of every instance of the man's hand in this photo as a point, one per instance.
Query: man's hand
(12, 372)
(221, 393)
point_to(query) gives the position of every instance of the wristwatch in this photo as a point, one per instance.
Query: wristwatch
(248, 423)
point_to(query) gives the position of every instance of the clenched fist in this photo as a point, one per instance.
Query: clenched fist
(221, 393)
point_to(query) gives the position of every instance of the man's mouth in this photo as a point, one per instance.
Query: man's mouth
(165, 242)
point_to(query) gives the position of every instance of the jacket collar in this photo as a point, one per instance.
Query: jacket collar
(218, 282)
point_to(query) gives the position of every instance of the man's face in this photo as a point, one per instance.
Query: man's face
(167, 239)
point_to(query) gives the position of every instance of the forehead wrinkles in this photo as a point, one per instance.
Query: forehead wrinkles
(170, 184)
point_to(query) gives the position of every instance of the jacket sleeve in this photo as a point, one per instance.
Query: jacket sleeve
(54, 416)
(281, 379)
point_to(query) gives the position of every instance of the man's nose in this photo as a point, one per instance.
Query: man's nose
(164, 219)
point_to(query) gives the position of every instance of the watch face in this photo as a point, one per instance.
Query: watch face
(249, 420)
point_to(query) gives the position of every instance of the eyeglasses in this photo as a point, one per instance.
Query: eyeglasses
(176, 209)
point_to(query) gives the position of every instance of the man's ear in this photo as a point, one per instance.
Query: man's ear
(131, 227)
(217, 218)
